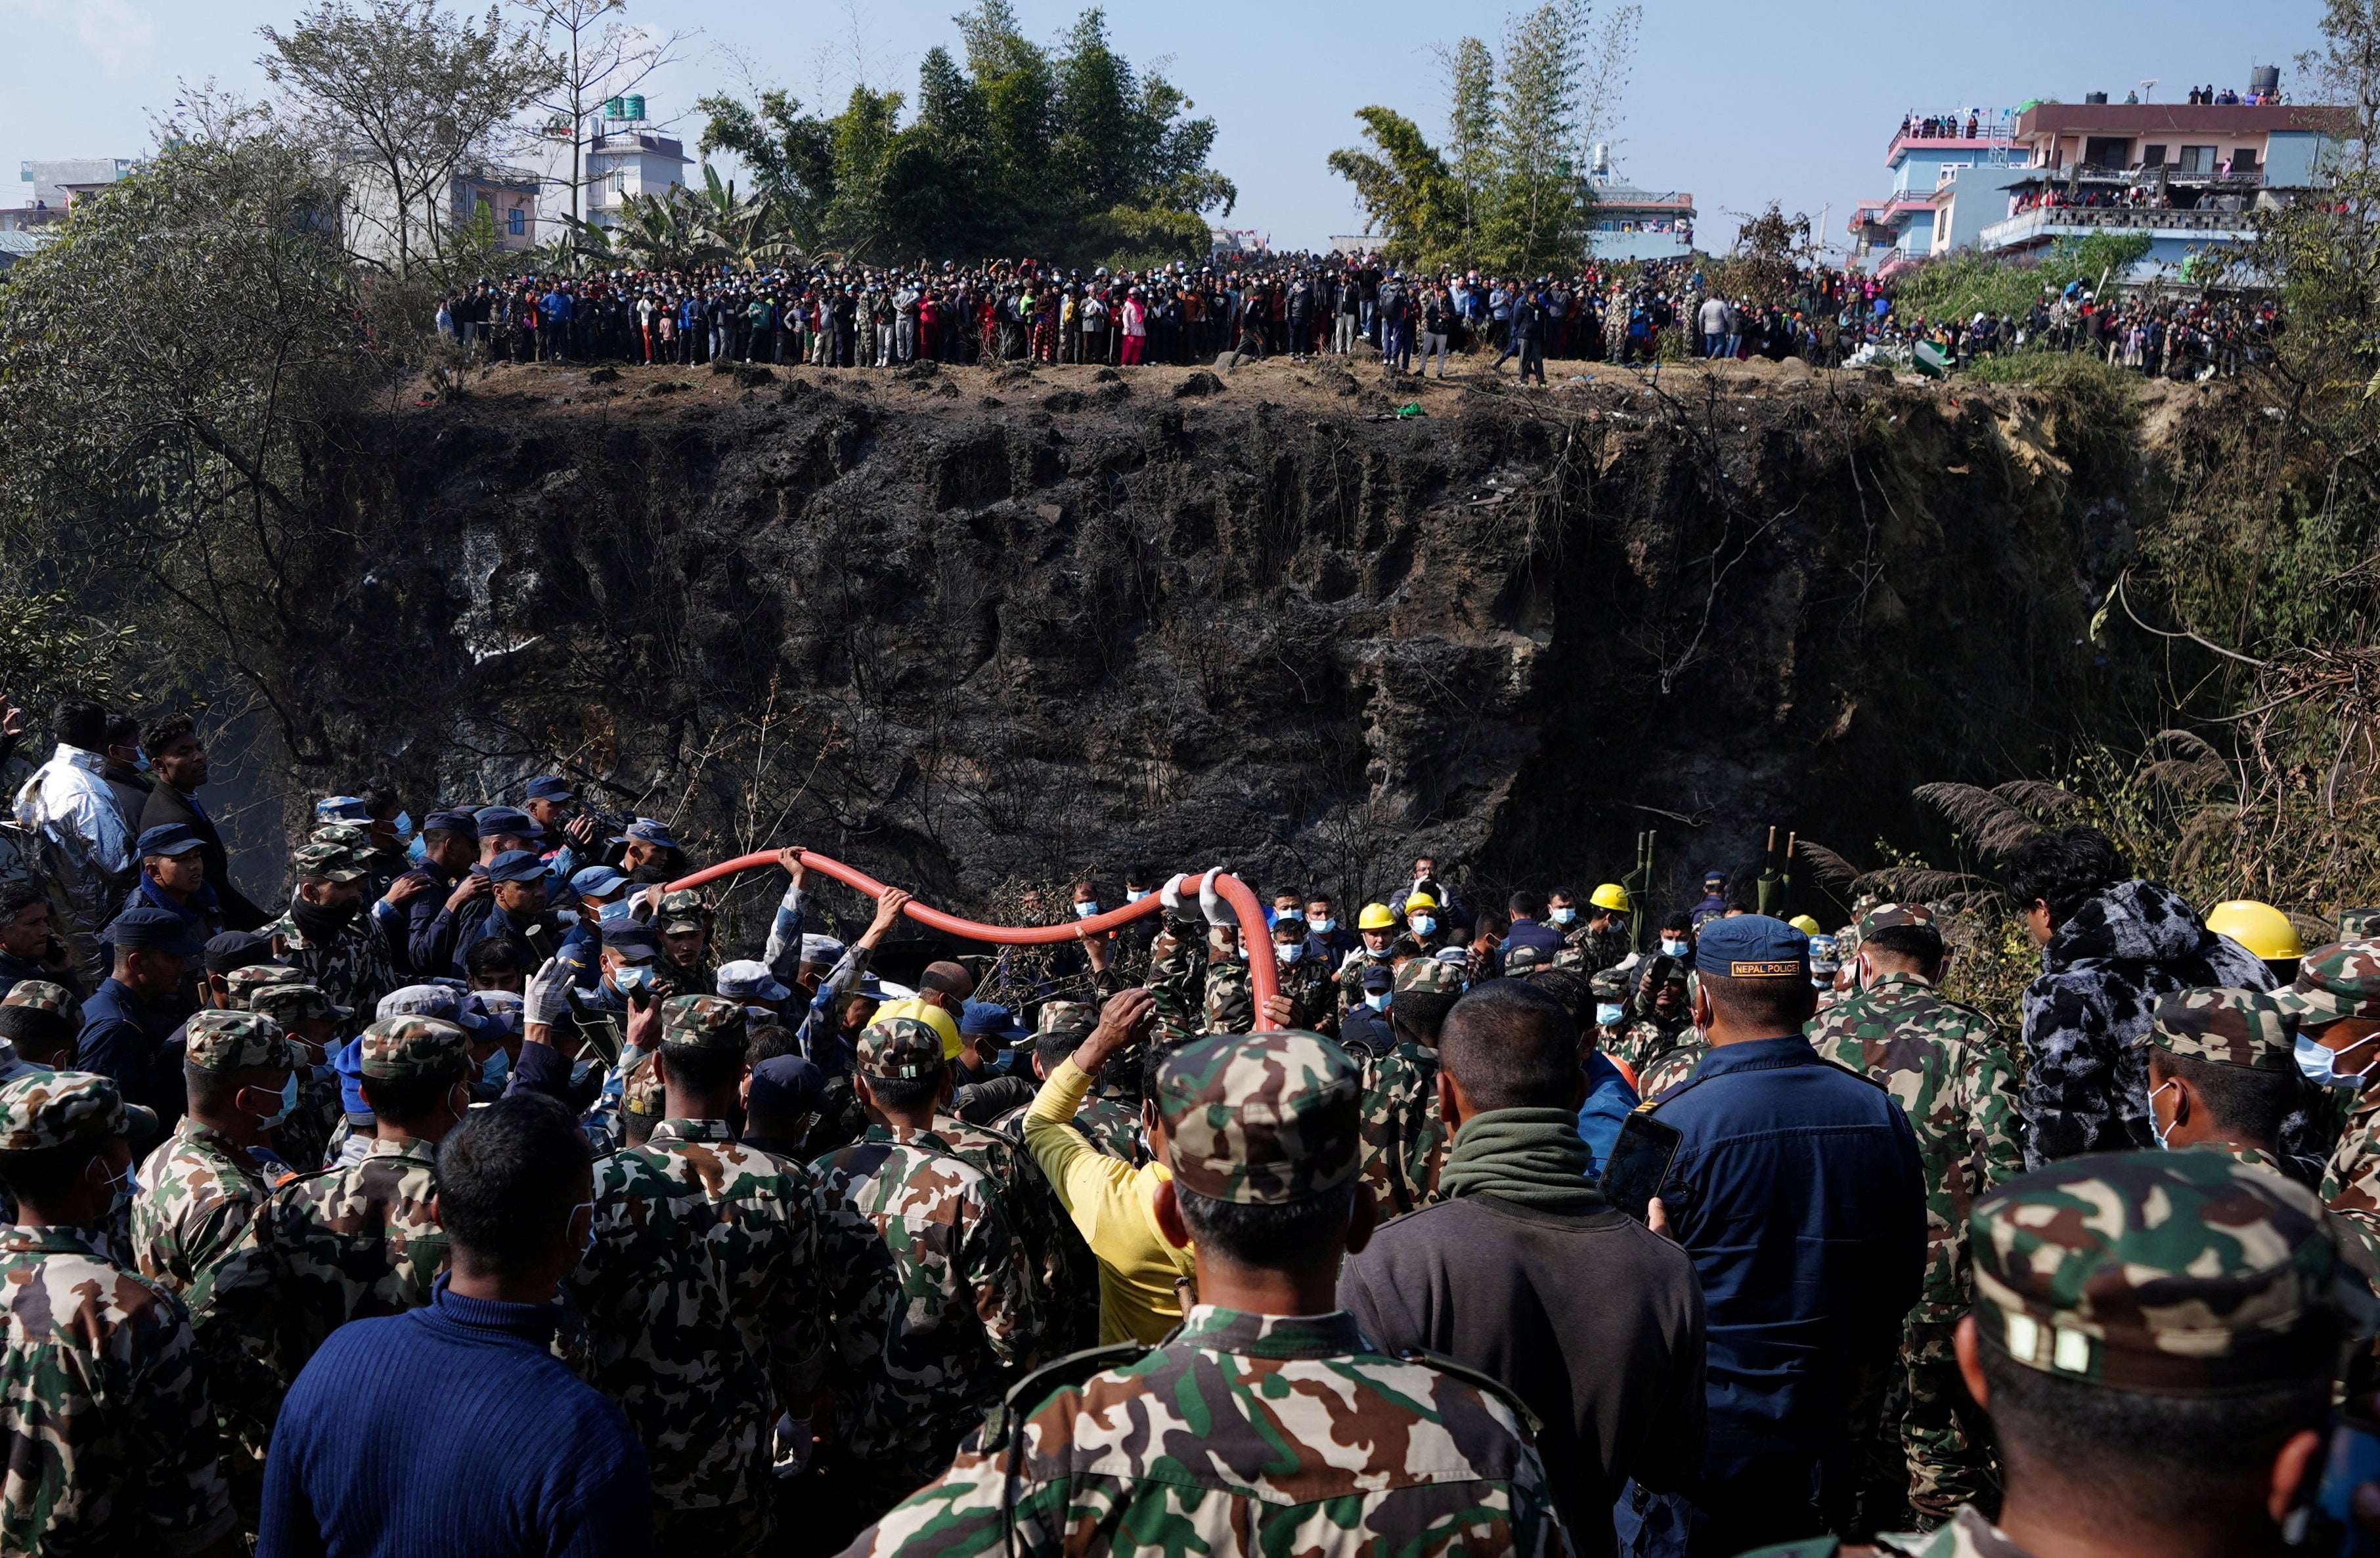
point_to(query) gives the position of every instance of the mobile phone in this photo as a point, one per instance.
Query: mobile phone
(2324, 1521)
(1640, 1161)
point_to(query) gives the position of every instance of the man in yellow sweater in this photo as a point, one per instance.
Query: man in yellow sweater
(1110, 1201)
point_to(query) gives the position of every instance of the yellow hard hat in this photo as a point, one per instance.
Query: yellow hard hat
(931, 1016)
(2260, 927)
(1375, 917)
(1420, 900)
(1612, 895)
(1804, 923)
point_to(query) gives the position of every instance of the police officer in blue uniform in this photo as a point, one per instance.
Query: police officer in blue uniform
(1797, 1190)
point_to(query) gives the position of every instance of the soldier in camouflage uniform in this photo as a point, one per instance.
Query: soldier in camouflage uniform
(2335, 1002)
(683, 924)
(1605, 938)
(312, 1025)
(2183, 1300)
(1947, 1067)
(952, 1317)
(110, 1434)
(356, 1241)
(2239, 1031)
(1246, 1431)
(341, 950)
(1306, 978)
(1061, 1284)
(1403, 1139)
(44, 1034)
(1661, 1022)
(199, 1192)
(702, 1292)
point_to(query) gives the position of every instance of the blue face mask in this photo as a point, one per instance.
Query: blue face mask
(2156, 1130)
(1325, 926)
(1425, 925)
(2320, 1065)
(1378, 1000)
(1563, 916)
(403, 823)
(418, 850)
(1607, 1013)
(142, 763)
(635, 979)
(1672, 948)
(1085, 911)
(289, 1101)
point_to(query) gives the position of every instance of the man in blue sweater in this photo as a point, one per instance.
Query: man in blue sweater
(383, 1446)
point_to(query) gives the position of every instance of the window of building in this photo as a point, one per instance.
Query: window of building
(2152, 155)
(2244, 160)
(516, 221)
(2107, 151)
(2198, 159)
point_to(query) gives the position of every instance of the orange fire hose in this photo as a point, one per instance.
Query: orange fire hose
(1262, 973)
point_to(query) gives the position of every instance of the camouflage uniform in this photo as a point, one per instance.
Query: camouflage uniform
(2171, 1273)
(1107, 1123)
(347, 1243)
(950, 1316)
(304, 1139)
(354, 969)
(2359, 925)
(1946, 1067)
(1349, 980)
(678, 913)
(110, 1435)
(1603, 948)
(700, 1294)
(1403, 1137)
(1674, 1066)
(1647, 1038)
(2336, 981)
(1247, 1432)
(1061, 1276)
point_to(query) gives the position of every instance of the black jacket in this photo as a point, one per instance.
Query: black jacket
(168, 804)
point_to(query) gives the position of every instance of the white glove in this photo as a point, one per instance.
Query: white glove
(543, 1000)
(1212, 903)
(1170, 894)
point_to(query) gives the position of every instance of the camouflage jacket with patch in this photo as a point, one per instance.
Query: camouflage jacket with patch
(1403, 1137)
(1244, 1434)
(702, 1298)
(1947, 1067)
(1062, 1276)
(111, 1440)
(353, 970)
(933, 1346)
(2350, 1184)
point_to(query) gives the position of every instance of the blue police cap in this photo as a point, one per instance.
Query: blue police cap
(349, 1064)
(645, 830)
(786, 1083)
(632, 935)
(984, 1017)
(516, 866)
(451, 821)
(342, 808)
(596, 881)
(1752, 946)
(506, 819)
(550, 787)
(167, 838)
(154, 930)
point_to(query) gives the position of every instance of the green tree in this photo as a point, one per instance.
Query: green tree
(1409, 198)
(407, 100)
(1543, 211)
(1471, 141)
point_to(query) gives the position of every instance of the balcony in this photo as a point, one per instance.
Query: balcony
(2045, 223)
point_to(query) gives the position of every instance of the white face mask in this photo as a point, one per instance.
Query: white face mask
(1378, 1000)
(2156, 1130)
(1607, 1014)
(1289, 916)
(1324, 925)
(1134, 895)
(1422, 925)
(1285, 951)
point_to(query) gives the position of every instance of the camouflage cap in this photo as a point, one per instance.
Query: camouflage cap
(43, 995)
(2334, 981)
(704, 1022)
(2177, 1273)
(1073, 1019)
(329, 862)
(640, 1091)
(1261, 1118)
(1431, 977)
(44, 1109)
(1526, 960)
(396, 1048)
(2359, 925)
(288, 1003)
(241, 984)
(1230, 1001)
(229, 1041)
(343, 835)
(1608, 985)
(1884, 916)
(679, 912)
(899, 1049)
(2232, 1027)
(1571, 957)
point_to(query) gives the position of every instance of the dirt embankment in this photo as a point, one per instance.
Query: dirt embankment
(962, 626)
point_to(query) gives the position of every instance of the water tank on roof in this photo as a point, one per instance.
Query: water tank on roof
(636, 103)
(2264, 78)
(2094, 97)
(611, 109)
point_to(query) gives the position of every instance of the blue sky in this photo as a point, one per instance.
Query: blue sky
(1738, 101)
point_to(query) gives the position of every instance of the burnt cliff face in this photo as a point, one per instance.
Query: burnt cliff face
(962, 629)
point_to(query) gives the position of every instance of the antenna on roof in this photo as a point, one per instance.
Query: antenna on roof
(2145, 86)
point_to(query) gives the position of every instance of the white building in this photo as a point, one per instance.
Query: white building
(54, 183)
(506, 197)
(626, 163)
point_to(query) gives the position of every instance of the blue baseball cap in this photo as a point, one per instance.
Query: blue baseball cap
(550, 787)
(1752, 946)
(645, 830)
(787, 1084)
(154, 930)
(451, 821)
(167, 838)
(349, 1064)
(985, 1016)
(506, 819)
(598, 882)
(632, 935)
(440, 1001)
(516, 866)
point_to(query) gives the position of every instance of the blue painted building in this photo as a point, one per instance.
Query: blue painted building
(1970, 148)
